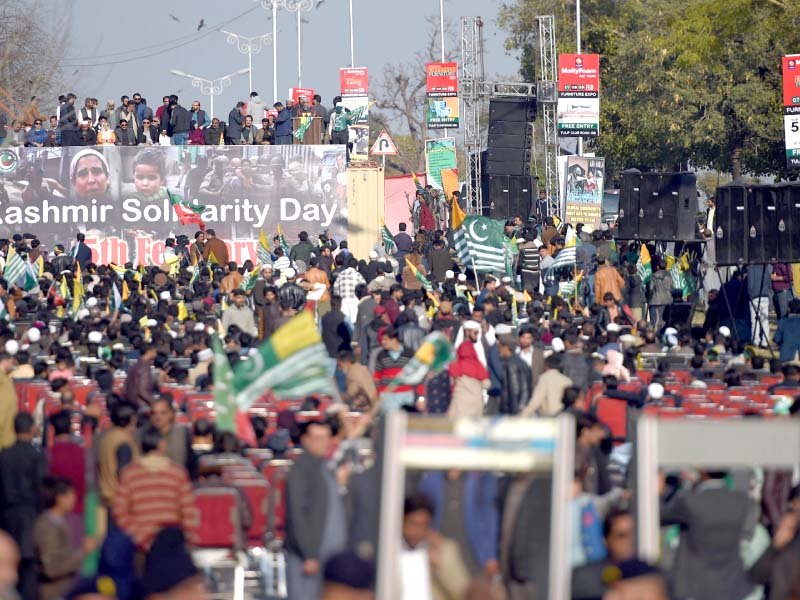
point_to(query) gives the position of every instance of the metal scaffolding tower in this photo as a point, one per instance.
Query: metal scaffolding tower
(472, 76)
(547, 96)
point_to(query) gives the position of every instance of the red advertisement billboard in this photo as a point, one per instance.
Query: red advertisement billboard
(791, 80)
(442, 79)
(297, 92)
(579, 73)
(353, 81)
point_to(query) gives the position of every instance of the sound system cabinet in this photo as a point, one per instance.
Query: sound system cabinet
(762, 222)
(730, 225)
(510, 195)
(788, 222)
(658, 206)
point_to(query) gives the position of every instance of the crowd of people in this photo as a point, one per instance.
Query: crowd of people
(519, 350)
(134, 123)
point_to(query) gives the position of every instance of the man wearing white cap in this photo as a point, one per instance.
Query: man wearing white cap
(204, 358)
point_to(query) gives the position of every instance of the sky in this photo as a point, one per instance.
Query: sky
(97, 65)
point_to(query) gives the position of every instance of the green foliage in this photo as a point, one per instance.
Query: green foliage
(692, 81)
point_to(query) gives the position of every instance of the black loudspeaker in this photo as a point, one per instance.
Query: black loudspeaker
(499, 196)
(510, 136)
(788, 222)
(521, 110)
(762, 224)
(503, 140)
(628, 216)
(658, 206)
(522, 192)
(730, 225)
(517, 167)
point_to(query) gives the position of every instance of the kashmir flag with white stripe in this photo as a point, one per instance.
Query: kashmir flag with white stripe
(388, 239)
(567, 256)
(15, 267)
(262, 250)
(479, 243)
(116, 299)
(292, 363)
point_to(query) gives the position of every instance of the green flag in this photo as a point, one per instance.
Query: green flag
(31, 280)
(293, 363)
(644, 266)
(224, 404)
(388, 239)
(14, 269)
(433, 355)
(305, 124)
(249, 280)
(479, 240)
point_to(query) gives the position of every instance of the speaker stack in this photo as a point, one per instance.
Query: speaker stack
(757, 224)
(508, 157)
(658, 206)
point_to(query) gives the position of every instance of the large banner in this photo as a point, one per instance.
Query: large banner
(354, 87)
(578, 109)
(441, 84)
(440, 155)
(120, 196)
(791, 109)
(584, 184)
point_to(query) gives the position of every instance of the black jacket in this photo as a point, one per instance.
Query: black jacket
(83, 254)
(153, 135)
(180, 120)
(306, 506)
(516, 389)
(235, 121)
(440, 261)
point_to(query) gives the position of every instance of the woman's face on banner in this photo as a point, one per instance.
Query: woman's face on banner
(90, 177)
(147, 179)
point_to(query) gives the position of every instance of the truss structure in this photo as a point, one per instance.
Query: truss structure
(475, 90)
(547, 98)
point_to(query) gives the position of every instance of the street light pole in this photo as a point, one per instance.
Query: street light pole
(578, 46)
(292, 6)
(210, 87)
(248, 45)
(441, 24)
(299, 51)
(352, 45)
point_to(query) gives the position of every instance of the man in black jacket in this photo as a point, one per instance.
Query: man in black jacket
(22, 467)
(180, 122)
(316, 524)
(68, 122)
(233, 133)
(516, 389)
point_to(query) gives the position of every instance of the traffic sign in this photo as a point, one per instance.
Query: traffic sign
(384, 146)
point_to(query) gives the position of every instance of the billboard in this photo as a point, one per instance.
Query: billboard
(439, 155)
(791, 108)
(441, 79)
(583, 193)
(353, 81)
(119, 196)
(441, 84)
(578, 109)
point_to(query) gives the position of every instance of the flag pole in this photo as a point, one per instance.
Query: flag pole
(475, 272)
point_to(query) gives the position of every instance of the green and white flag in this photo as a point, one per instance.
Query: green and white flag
(480, 240)
(433, 355)
(31, 280)
(293, 363)
(15, 267)
(249, 280)
(224, 400)
(305, 124)
(644, 266)
(116, 300)
(388, 239)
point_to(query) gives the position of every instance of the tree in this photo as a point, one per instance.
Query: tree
(697, 81)
(403, 99)
(31, 48)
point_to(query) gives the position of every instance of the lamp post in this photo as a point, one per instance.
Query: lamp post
(210, 87)
(248, 45)
(292, 6)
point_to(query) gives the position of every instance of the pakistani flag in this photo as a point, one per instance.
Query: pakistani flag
(262, 250)
(293, 363)
(388, 239)
(644, 266)
(31, 280)
(479, 243)
(15, 267)
(433, 355)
